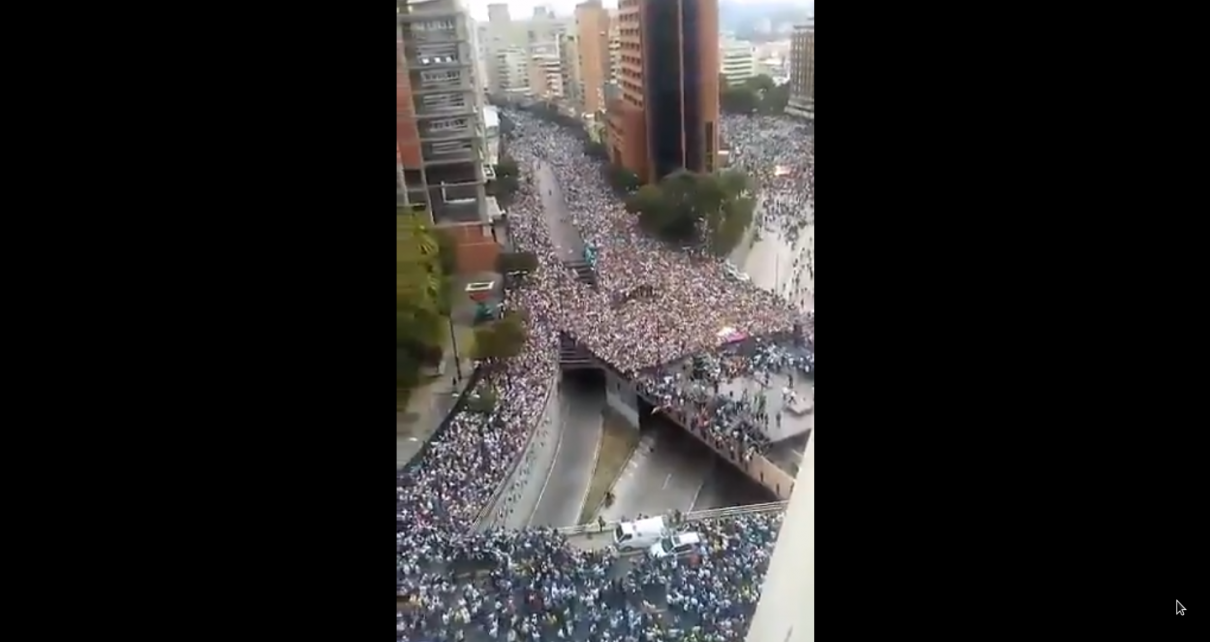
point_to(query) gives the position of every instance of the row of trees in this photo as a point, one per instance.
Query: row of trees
(713, 208)
(756, 95)
(424, 266)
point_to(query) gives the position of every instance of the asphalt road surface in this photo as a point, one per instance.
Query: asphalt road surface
(670, 470)
(563, 232)
(770, 263)
(566, 485)
(726, 486)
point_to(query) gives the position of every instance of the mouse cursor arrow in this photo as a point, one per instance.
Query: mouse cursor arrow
(1180, 609)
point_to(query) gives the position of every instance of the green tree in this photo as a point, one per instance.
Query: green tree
(500, 340)
(738, 100)
(716, 208)
(653, 209)
(418, 297)
(621, 179)
(760, 84)
(735, 210)
(595, 149)
(775, 100)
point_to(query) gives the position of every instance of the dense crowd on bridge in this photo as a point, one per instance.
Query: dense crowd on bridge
(652, 307)
(697, 390)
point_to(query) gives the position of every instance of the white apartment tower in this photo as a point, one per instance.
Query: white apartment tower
(737, 61)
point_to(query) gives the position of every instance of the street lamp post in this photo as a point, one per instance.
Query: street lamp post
(457, 359)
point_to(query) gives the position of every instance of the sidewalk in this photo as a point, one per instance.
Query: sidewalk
(431, 402)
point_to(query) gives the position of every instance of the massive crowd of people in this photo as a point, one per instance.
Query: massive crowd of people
(694, 388)
(652, 306)
(779, 155)
(691, 297)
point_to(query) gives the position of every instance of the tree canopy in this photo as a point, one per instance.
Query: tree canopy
(421, 297)
(622, 180)
(758, 94)
(502, 339)
(685, 206)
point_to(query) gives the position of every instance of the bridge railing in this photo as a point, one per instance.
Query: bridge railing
(712, 513)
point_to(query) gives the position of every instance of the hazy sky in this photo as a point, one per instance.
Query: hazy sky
(525, 8)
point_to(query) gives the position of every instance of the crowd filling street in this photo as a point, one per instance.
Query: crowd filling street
(653, 306)
(780, 156)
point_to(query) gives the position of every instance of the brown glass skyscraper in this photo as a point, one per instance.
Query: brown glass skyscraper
(667, 115)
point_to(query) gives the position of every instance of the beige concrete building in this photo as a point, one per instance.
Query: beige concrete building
(441, 161)
(569, 63)
(546, 70)
(592, 25)
(802, 72)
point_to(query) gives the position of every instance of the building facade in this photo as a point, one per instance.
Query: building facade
(737, 61)
(802, 72)
(666, 116)
(593, 43)
(569, 63)
(512, 71)
(546, 70)
(441, 165)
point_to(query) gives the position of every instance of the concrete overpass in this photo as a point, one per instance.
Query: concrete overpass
(761, 469)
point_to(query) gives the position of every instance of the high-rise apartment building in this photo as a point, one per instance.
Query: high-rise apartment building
(666, 118)
(802, 71)
(441, 167)
(615, 51)
(497, 13)
(737, 61)
(512, 71)
(569, 63)
(592, 40)
(546, 70)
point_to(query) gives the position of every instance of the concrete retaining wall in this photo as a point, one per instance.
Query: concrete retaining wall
(517, 496)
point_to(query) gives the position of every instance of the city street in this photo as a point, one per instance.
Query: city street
(770, 263)
(665, 474)
(564, 488)
(563, 232)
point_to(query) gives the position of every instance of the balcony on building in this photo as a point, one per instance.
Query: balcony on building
(427, 81)
(439, 105)
(445, 129)
(464, 151)
(454, 54)
(426, 29)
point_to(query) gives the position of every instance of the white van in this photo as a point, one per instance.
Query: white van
(639, 534)
(679, 545)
